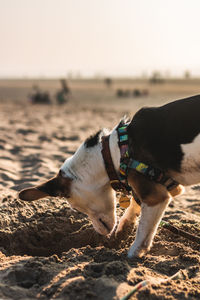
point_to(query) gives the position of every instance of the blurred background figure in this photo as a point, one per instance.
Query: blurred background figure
(62, 96)
(39, 97)
(108, 82)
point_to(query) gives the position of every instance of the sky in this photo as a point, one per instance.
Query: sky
(51, 38)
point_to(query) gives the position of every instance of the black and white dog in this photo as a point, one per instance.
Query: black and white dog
(166, 137)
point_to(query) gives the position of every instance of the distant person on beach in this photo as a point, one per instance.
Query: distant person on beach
(62, 96)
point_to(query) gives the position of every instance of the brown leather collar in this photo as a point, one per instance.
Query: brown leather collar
(116, 184)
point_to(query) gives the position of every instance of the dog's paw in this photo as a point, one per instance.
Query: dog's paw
(134, 251)
(123, 224)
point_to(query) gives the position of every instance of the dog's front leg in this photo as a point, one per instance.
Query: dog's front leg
(129, 217)
(148, 224)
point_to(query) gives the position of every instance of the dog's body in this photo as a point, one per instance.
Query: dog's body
(166, 137)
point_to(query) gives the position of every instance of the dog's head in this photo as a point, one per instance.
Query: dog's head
(83, 181)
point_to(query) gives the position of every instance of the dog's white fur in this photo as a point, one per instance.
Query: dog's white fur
(191, 162)
(91, 192)
(148, 224)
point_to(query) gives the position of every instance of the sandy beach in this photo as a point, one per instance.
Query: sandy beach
(47, 250)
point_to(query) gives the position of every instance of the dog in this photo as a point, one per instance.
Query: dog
(162, 155)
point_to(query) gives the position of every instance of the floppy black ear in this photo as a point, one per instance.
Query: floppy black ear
(45, 189)
(32, 194)
(53, 187)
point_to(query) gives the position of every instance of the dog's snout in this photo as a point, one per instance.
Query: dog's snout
(105, 225)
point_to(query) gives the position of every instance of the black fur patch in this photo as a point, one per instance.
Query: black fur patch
(92, 140)
(157, 133)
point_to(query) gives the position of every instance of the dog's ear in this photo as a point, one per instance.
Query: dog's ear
(56, 186)
(32, 194)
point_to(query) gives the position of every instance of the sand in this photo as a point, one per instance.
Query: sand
(47, 250)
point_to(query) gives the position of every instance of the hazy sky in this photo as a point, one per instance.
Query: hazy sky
(110, 37)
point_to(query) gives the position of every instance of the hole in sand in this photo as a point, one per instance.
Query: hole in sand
(46, 228)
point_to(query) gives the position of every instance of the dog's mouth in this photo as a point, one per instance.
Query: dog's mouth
(102, 226)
